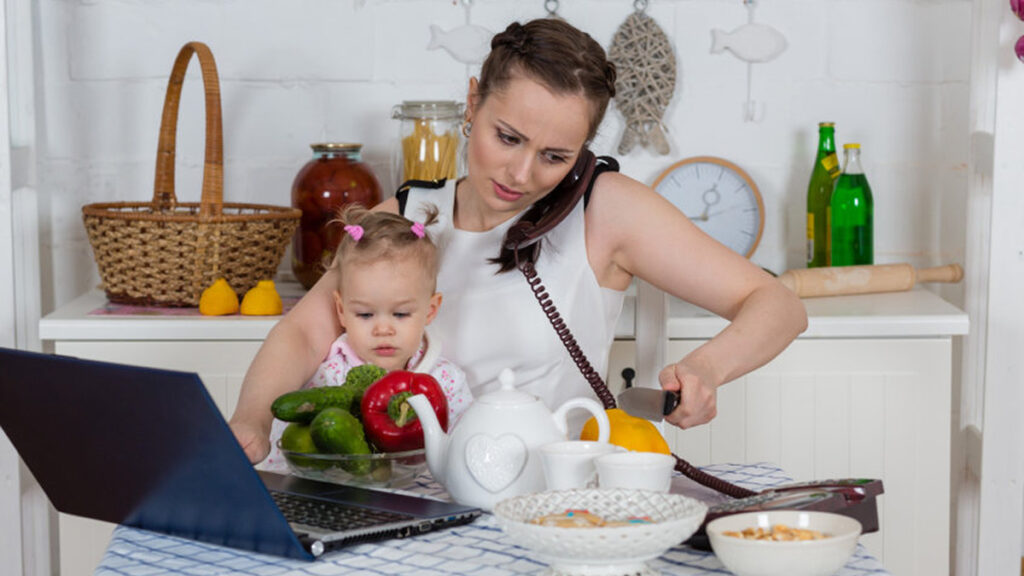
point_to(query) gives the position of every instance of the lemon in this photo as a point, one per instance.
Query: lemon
(262, 300)
(219, 299)
(297, 438)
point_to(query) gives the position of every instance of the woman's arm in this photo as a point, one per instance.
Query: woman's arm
(633, 231)
(287, 359)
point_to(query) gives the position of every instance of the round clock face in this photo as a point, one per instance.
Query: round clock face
(717, 196)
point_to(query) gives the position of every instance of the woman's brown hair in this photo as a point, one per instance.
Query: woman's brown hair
(566, 60)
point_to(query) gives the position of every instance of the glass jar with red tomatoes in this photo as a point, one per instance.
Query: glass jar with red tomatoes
(333, 179)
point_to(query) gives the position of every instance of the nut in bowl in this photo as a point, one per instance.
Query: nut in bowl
(619, 529)
(392, 469)
(829, 542)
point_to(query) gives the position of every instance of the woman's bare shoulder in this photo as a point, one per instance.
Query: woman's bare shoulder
(615, 195)
(389, 205)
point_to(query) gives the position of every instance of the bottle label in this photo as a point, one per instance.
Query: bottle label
(831, 163)
(810, 236)
(828, 236)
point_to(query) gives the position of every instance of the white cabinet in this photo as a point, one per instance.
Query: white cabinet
(865, 392)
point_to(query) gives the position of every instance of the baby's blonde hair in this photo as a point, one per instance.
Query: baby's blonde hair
(385, 236)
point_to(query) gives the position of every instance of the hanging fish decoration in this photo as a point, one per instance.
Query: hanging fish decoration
(750, 42)
(646, 66)
(468, 44)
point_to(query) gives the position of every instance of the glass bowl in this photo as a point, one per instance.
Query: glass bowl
(391, 469)
(784, 558)
(622, 549)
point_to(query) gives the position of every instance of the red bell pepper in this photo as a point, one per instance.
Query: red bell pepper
(390, 422)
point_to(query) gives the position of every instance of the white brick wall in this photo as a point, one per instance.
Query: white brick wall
(891, 73)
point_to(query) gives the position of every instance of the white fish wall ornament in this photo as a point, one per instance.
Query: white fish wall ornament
(468, 44)
(750, 42)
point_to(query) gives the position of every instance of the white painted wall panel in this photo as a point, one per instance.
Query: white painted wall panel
(835, 408)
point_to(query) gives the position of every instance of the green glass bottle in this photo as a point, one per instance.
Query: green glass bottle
(819, 194)
(852, 214)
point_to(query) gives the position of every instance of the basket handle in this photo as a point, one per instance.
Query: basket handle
(212, 201)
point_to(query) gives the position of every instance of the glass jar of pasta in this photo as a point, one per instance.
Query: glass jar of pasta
(428, 139)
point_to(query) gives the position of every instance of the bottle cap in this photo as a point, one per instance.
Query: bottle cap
(852, 145)
(826, 124)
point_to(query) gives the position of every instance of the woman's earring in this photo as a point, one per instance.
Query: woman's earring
(466, 127)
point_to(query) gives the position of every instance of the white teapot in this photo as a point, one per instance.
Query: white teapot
(492, 453)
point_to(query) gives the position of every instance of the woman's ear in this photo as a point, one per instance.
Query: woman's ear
(338, 308)
(435, 305)
(472, 98)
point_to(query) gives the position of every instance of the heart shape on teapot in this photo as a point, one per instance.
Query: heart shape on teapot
(495, 463)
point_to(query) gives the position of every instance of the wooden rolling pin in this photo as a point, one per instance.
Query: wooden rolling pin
(835, 281)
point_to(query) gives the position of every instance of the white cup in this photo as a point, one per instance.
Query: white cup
(570, 463)
(636, 470)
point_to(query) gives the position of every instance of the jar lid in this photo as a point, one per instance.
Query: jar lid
(336, 147)
(436, 109)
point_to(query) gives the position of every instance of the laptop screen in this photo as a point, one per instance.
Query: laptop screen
(137, 446)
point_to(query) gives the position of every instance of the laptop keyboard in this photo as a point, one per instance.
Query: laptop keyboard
(332, 516)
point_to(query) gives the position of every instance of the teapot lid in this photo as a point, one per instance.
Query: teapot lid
(507, 395)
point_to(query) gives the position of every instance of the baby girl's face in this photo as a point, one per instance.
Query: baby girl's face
(385, 307)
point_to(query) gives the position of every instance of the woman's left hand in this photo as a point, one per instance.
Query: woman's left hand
(697, 394)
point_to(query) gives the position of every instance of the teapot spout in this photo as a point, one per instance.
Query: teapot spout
(435, 440)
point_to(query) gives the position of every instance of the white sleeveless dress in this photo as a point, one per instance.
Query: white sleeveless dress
(491, 321)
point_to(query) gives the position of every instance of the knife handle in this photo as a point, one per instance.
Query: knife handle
(671, 402)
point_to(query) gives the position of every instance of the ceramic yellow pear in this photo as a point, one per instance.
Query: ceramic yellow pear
(262, 300)
(219, 299)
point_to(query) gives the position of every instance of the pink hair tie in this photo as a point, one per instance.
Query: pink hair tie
(355, 231)
(417, 229)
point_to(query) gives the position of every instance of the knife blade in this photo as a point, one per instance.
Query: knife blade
(648, 403)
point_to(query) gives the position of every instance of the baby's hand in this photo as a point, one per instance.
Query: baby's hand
(253, 440)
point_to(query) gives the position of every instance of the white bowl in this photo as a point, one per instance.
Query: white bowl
(797, 558)
(606, 549)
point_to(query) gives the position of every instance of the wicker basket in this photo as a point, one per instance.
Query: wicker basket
(166, 252)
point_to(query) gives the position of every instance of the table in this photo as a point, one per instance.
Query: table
(479, 549)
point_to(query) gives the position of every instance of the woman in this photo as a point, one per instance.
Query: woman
(540, 98)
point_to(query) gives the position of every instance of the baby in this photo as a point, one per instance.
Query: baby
(385, 299)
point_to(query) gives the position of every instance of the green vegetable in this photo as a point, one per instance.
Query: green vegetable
(298, 438)
(358, 380)
(336, 431)
(303, 405)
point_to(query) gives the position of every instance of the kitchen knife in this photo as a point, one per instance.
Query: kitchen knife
(648, 403)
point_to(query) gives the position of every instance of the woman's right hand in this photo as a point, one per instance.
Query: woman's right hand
(253, 439)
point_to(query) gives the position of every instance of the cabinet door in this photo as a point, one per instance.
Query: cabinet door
(220, 364)
(848, 408)
(622, 355)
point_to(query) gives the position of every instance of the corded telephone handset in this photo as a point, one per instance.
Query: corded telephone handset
(852, 497)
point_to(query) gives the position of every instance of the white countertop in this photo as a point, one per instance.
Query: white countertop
(917, 313)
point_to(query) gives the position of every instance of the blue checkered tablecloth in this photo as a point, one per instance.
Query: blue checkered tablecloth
(479, 548)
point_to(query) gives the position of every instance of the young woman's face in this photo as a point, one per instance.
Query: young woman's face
(385, 307)
(524, 141)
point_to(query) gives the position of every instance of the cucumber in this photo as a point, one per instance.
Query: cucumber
(336, 431)
(303, 405)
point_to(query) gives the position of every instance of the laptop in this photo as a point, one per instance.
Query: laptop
(148, 448)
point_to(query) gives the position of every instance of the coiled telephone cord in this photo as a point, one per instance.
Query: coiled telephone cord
(600, 388)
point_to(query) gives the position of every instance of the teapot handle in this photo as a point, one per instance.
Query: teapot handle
(604, 427)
